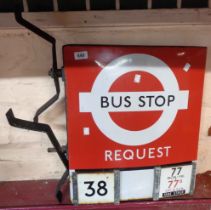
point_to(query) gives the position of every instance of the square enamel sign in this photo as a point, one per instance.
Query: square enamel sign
(132, 106)
(175, 180)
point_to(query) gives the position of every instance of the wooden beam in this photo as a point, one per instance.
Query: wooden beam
(209, 3)
(114, 18)
(179, 4)
(25, 6)
(55, 5)
(149, 4)
(88, 5)
(42, 193)
(117, 4)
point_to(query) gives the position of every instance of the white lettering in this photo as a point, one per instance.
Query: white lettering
(128, 154)
(167, 150)
(143, 154)
(108, 154)
(137, 154)
(151, 152)
(117, 155)
(160, 152)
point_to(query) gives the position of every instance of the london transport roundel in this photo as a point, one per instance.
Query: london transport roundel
(132, 106)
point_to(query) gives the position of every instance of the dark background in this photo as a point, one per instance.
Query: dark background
(79, 5)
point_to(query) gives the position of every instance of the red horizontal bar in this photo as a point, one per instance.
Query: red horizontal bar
(41, 195)
(200, 204)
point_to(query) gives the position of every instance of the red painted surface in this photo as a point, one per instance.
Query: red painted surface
(40, 195)
(88, 151)
(158, 205)
(28, 193)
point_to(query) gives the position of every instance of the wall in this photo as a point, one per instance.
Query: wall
(24, 85)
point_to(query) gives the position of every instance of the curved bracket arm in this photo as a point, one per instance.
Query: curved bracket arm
(40, 127)
(55, 71)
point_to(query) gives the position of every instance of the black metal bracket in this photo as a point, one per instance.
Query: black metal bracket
(61, 182)
(40, 127)
(34, 125)
(54, 72)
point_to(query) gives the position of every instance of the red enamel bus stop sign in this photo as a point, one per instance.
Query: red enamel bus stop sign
(132, 106)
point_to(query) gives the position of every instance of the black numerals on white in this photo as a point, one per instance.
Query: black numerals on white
(90, 189)
(176, 171)
(101, 188)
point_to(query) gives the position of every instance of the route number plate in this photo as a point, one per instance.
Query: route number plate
(175, 180)
(95, 188)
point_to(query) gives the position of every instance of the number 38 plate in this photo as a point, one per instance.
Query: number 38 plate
(95, 188)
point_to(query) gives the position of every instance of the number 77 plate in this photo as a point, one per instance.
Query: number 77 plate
(176, 180)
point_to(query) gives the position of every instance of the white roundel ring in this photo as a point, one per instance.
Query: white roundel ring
(109, 74)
